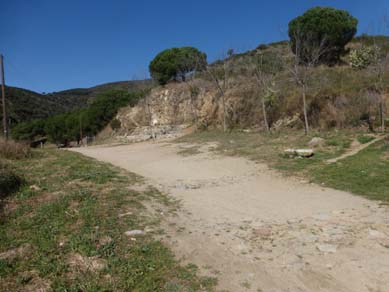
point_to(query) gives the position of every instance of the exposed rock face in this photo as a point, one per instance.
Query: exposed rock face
(145, 133)
(170, 105)
(199, 102)
(195, 102)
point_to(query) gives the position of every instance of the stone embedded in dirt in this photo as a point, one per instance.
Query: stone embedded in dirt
(304, 152)
(35, 188)
(316, 142)
(384, 242)
(125, 214)
(182, 186)
(321, 217)
(134, 232)
(373, 234)
(263, 232)
(327, 248)
(105, 240)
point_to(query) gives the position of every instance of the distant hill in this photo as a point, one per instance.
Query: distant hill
(25, 105)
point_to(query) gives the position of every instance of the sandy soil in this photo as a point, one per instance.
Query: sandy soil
(258, 231)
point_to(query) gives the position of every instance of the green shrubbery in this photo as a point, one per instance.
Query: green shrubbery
(67, 127)
(9, 181)
(362, 57)
(115, 124)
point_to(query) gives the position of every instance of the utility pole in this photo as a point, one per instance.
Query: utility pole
(81, 130)
(5, 122)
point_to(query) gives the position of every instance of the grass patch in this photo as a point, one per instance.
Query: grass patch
(62, 231)
(364, 174)
(9, 180)
(363, 139)
(10, 149)
(269, 148)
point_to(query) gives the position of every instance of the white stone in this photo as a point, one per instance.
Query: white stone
(327, 248)
(134, 232)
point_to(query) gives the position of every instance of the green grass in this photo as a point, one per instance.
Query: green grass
(66, 212)
(364, 174)
(270, 148)
(363, 139)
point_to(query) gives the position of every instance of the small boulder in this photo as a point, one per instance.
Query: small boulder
(134, 232)
(304, 152)
(326, 248)
(299, 152)
(316, 142)
(263, 232)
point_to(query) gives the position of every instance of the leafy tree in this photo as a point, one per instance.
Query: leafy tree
(29, 130)
(265, 66)
(176, 63)
(322, 28)
(67, 127)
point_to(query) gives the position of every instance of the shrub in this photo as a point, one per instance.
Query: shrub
(322, 28)
(9, 181)
(13, 150)
(362, 57)
(115, 124)
(176, 63)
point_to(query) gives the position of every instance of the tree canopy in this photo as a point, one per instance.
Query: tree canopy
(176, 63)
(321, 33)
(67, 127)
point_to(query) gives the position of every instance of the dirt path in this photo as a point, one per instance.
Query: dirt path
(256, 230)
(355, 148)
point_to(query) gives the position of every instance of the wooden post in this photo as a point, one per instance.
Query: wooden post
(5, 122)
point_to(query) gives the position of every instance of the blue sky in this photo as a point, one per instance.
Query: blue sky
(50, 45)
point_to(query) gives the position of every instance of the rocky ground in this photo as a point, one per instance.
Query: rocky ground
(257, 230)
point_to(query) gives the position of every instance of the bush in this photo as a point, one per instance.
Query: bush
(13, 150)
(115, 124)
(9, 181)
(322, 27)
(362, 57)
(176, 63)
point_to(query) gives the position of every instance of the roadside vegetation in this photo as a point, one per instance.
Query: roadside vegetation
(64, 230)
(10, 181)
(61, 129)
(364, 174)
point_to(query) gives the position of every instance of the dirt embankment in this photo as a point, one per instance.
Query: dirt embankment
(258, 231)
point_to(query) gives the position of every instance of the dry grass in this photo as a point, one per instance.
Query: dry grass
(13, 150)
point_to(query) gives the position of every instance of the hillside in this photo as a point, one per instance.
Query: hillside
(337, 96)
(25, 105)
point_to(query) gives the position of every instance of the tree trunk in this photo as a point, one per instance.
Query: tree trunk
(265, 115)
(382, 114)
(224, 114)
(305, 110)
(194, 111)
